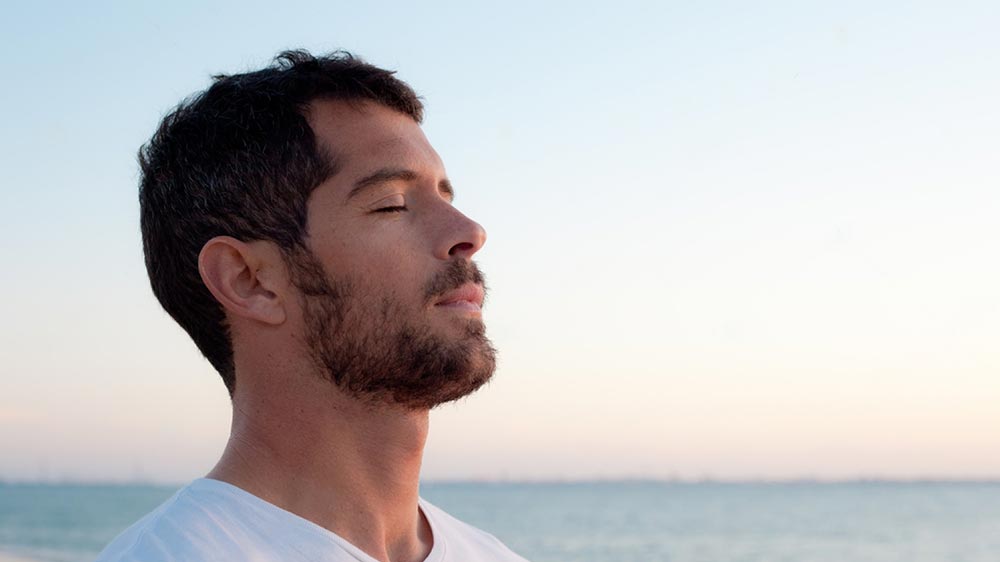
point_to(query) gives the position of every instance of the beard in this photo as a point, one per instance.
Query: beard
(377, 351)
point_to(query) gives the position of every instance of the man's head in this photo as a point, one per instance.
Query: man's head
(322, 163)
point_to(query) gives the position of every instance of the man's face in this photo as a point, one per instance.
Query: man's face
(391, 299)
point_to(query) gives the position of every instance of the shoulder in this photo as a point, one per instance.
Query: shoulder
(463, 541)
(140, 541)
(200, 522)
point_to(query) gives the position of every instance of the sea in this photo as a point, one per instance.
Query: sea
(605, 521)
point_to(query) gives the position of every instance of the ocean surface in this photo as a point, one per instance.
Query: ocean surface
(607, 522)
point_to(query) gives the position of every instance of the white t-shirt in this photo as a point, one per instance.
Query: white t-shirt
(212, 521)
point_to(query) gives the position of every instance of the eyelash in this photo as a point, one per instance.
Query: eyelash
(396, 209)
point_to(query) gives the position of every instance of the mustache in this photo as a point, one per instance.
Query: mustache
(456, 274)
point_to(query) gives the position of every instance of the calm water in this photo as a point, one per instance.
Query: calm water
(613, 522)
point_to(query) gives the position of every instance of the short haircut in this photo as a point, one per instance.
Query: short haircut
(241, 160)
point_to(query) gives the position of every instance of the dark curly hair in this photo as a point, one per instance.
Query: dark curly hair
(241, 160)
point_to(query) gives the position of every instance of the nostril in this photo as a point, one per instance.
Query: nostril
(459, 248)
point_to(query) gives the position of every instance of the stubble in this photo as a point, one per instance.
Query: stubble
(377, 351)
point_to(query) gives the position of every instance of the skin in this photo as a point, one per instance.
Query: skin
(298, 441)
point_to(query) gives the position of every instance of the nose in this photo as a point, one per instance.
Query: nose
(463, 239)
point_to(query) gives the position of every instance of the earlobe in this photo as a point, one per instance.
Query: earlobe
(238, 275)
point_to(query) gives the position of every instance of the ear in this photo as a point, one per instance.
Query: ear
(246, 278)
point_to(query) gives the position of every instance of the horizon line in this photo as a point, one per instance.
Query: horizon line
(988, 480)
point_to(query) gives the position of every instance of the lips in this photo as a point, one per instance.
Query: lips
(469, 295)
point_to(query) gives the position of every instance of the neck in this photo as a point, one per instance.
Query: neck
(350, 467)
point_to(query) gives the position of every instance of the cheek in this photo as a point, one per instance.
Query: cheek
(387, 260)
(389, 272)
(377, 262)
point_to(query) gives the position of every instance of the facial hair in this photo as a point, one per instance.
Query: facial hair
(377, 351)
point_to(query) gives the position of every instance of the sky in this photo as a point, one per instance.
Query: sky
(726, 241)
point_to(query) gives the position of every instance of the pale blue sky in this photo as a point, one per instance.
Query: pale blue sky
(725, 239)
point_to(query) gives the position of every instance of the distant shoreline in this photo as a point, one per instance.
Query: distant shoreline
(570, 482)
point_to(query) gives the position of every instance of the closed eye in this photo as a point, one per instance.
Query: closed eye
(394, 209)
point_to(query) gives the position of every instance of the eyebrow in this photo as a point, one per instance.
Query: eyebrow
(386, 175)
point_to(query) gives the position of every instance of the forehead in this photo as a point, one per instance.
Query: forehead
(362, 137)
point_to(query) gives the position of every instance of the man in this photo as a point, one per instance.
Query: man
(299, 226)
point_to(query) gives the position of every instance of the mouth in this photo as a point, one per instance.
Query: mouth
(469, 297)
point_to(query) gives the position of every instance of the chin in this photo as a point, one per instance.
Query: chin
(473, 370)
